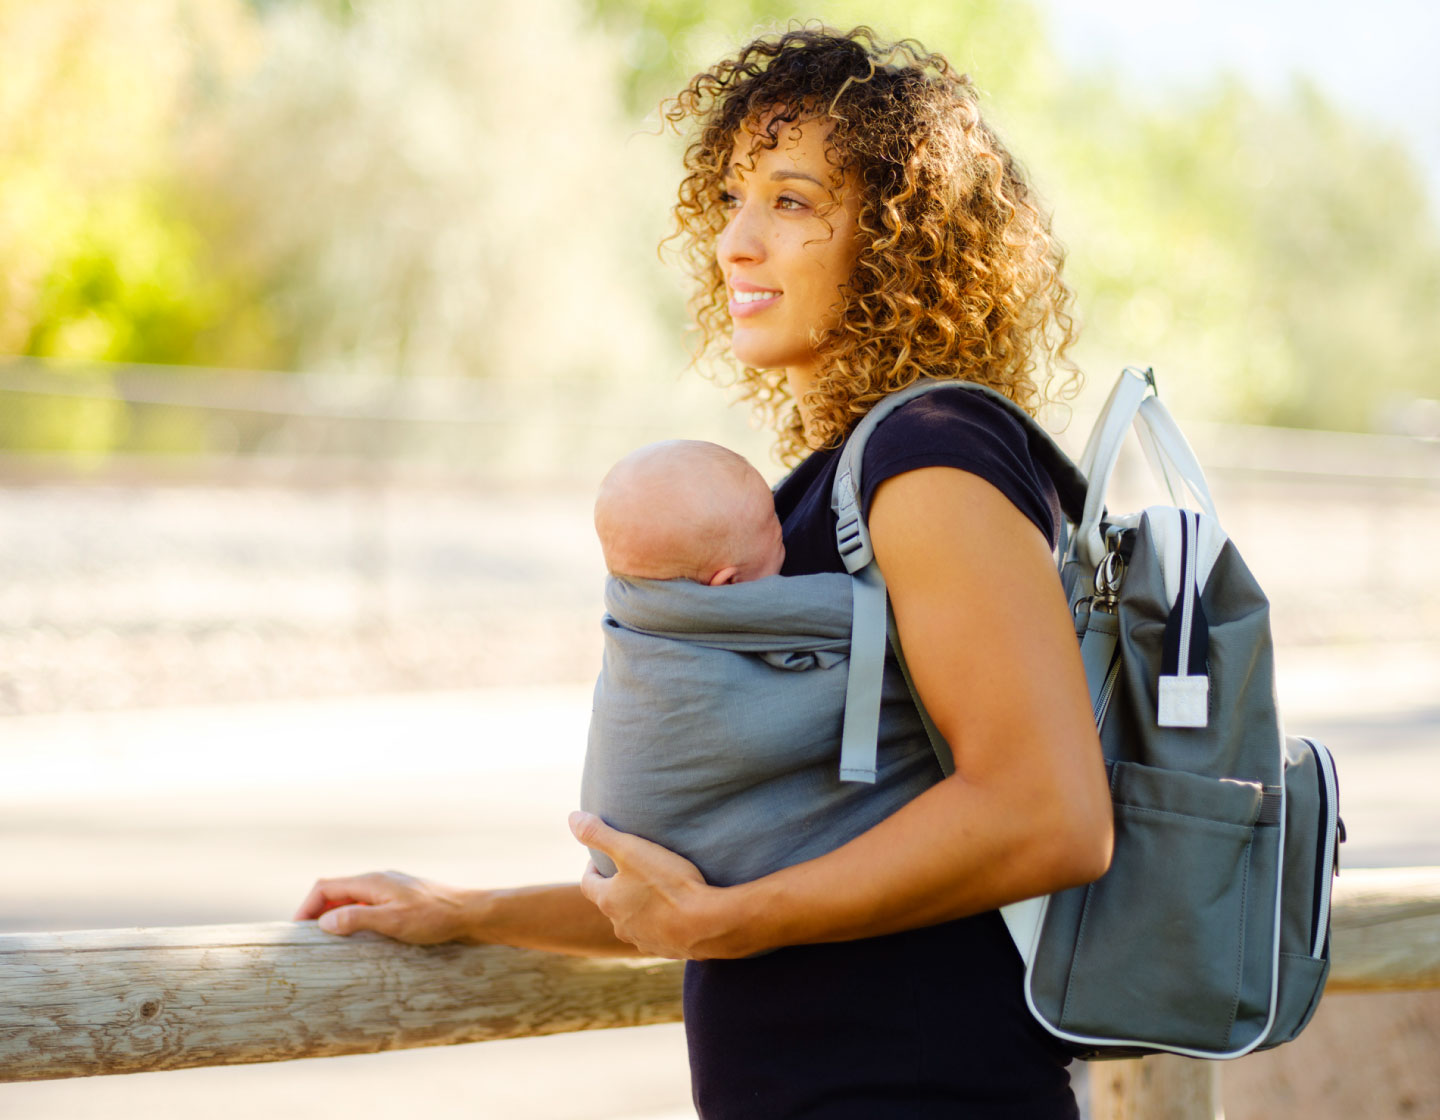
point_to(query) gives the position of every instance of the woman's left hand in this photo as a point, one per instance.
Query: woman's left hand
(656, 900)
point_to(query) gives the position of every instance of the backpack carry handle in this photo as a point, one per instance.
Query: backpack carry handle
(1114, 417)
(1172, 451)
(1170, 455)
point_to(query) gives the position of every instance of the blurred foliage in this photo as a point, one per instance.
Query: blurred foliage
(414, 189)
(99, 262)
(1276, 262)
(98, 259)
(416, 195)
(1000, 42)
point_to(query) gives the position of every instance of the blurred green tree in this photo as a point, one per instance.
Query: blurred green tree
(1277, 261)
(99, 262)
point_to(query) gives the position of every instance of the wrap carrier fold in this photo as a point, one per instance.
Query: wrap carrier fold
(717, 722)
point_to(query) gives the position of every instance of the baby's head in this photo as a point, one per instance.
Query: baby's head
(685, 509)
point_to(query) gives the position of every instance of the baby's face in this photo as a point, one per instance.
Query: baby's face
(759, 547)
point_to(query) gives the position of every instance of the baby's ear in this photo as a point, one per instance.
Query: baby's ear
(724, 576)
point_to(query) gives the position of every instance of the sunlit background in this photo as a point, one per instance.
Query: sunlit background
(320, 320)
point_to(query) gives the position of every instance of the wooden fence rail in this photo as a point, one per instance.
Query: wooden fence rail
(125, 1001)
(129, 1000)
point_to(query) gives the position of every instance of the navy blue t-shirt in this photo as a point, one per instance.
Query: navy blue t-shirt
(927, 1023)
(965, 430)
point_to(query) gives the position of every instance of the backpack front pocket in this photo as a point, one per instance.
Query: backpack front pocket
(1183, 849)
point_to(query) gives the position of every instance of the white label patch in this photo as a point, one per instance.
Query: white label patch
(1184, 701)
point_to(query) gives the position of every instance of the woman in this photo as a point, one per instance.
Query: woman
(853, 225)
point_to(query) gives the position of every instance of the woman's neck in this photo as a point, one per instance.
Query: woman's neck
(801, 380)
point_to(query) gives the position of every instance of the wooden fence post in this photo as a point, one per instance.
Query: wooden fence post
(1163, 1087)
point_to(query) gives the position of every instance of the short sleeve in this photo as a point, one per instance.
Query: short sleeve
(971, 433)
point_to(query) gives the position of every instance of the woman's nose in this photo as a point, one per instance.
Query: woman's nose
(742, 238)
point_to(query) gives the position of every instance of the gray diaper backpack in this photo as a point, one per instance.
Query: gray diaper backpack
(1209, 934)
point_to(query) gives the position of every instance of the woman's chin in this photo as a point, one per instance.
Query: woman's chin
(756, 350)
(766, 358)
(751, 356)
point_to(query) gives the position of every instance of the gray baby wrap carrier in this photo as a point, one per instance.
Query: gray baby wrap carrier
(757, 725)
(718, 720)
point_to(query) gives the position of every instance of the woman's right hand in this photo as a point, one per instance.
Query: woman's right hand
(390, 902)
(656, 900)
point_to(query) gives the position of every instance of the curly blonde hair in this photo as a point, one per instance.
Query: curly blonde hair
(957, 274)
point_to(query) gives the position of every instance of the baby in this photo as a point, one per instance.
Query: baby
(716, 724)
(686, 509)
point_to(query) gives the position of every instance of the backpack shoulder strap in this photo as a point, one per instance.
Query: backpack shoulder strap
(869, 614)
(852, 536)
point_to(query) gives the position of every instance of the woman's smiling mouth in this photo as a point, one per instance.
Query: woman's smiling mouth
(747, 301)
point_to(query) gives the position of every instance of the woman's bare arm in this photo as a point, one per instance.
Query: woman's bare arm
(556, 917)
(990, 646)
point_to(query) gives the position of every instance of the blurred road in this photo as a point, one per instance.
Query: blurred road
(224, 814)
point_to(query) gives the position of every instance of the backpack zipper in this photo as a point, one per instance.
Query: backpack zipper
(1102, 702)
(1329, 864)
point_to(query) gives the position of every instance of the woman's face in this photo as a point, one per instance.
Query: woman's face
(788, 245)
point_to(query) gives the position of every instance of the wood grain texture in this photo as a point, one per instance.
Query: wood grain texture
(1385, 930)
(125, 1001)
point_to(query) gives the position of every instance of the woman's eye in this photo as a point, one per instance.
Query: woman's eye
(785, 202)
(728, 200)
